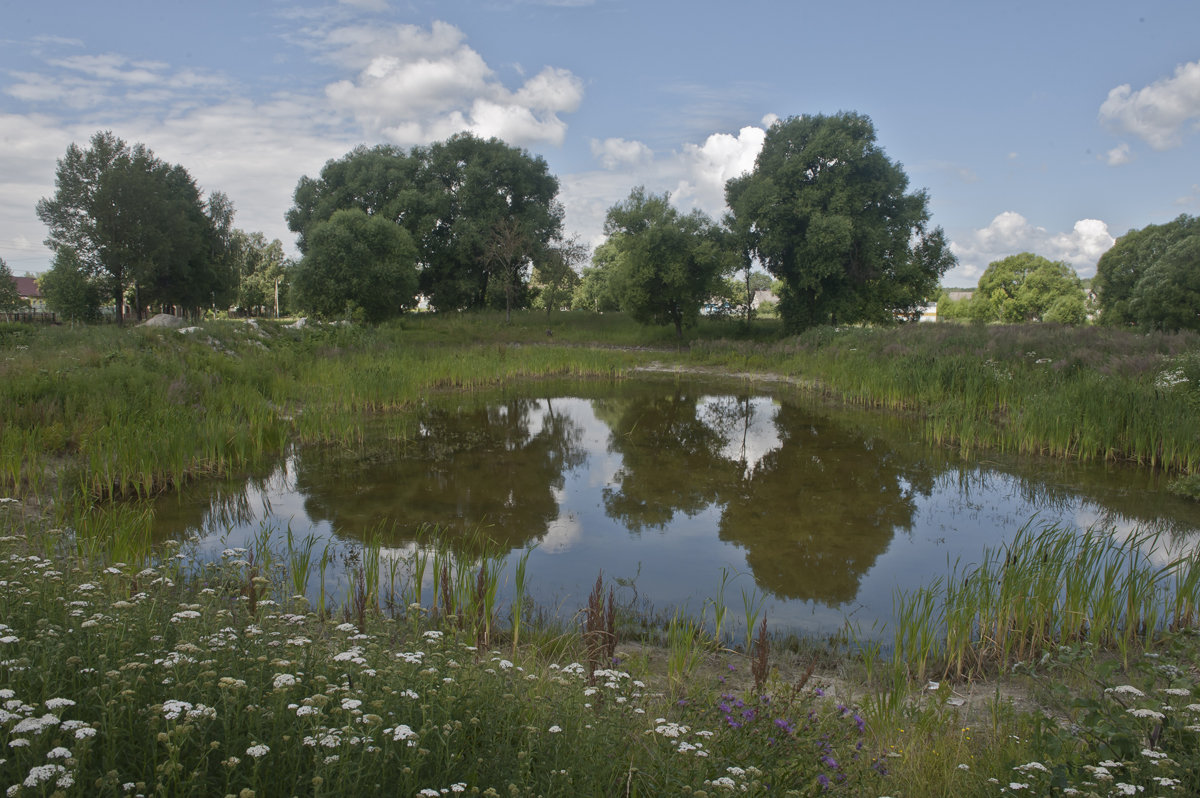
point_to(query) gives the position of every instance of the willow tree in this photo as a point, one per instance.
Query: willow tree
(829, 214)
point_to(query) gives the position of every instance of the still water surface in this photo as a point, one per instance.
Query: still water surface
(820, 511)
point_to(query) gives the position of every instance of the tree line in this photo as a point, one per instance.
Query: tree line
(468, 223)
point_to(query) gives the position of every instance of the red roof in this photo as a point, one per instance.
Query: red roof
(27, 287)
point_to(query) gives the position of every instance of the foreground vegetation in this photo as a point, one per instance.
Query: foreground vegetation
(127, 669)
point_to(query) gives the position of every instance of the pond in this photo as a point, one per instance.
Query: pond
(680, 491)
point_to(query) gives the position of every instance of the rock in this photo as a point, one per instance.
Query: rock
(163, 320)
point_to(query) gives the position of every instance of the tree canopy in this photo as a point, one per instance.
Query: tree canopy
(1138, 266)
(356, 263)
(665, 263)
(67, 289)
(137, 222)
(1028, 287)
(828, 213)
(481, 213)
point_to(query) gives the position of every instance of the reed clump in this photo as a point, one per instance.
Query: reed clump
(1046, 588)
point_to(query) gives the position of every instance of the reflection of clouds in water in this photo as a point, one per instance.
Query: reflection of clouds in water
(562, 534)
(1157, 547)
(535, 417)
(746, 424)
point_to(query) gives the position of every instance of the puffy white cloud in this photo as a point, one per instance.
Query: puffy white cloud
(1156, 113)
(1011, 233)
(614, 153)
(707, 167)
(416, 85)
(694, 174)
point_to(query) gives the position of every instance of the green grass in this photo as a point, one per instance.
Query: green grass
(131, 670)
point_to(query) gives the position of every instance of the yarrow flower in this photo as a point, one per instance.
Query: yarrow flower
(258, 750)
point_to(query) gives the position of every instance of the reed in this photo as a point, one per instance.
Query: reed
(1049, 586)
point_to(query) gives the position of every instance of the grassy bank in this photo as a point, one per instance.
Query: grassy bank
(1085, 393)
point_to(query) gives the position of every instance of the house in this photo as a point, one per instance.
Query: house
(27, 289)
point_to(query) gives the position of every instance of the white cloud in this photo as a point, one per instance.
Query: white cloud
(1156, 113)
(694, 175)
(415, 86)
(614, 153)
(1119, 155)
(708, 166)
(1011, 233)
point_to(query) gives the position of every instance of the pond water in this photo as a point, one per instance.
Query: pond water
(672, 486)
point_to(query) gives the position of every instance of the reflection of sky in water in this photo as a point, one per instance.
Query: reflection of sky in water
(951, 511)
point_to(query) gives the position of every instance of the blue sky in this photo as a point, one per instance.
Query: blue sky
(1050, 126)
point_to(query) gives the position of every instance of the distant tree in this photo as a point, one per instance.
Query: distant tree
(667, 263)
(596, 291)
(136, 223)
(10, 298)
(1167, 296)
(952, 309)
(1028, 287)
(458, 200)
(262, 270)
(554, 276)
(357, 263)
(1128, 262)
(68, 290)
(828, 213)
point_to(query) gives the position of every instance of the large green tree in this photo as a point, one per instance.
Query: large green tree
(1028, 287)
(1167, 297)
(666, 263)
(138, 224)
(828, 213)
(357, 262)
(1130, 260)
(481, 213)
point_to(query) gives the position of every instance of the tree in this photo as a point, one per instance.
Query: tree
(456, 199)
(666, 263)
(1028, 287)
(1167, 297)
(596, 291)
(10, 298)
(262, 272)
(68, 290)
(554, 276)
(357, 262)
(827, 212)
(1129, 260)
(136, 223)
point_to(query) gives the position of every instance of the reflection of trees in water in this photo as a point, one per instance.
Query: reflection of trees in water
(670, 458)
(819, 510)
(1118, 496)
(214, 508)
(494, 468)
(813, 514)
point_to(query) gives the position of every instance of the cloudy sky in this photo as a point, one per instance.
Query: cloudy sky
(1050, 126)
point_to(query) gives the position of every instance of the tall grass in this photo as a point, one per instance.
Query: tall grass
(1088, 393)
(1048, 587)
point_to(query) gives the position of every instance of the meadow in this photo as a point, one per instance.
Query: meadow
(133, 669)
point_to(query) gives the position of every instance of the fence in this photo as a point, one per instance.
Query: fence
(29, 316)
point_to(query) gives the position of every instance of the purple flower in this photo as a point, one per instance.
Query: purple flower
(860, 723)
(829, 762)
(783, 724)
(823, 780)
